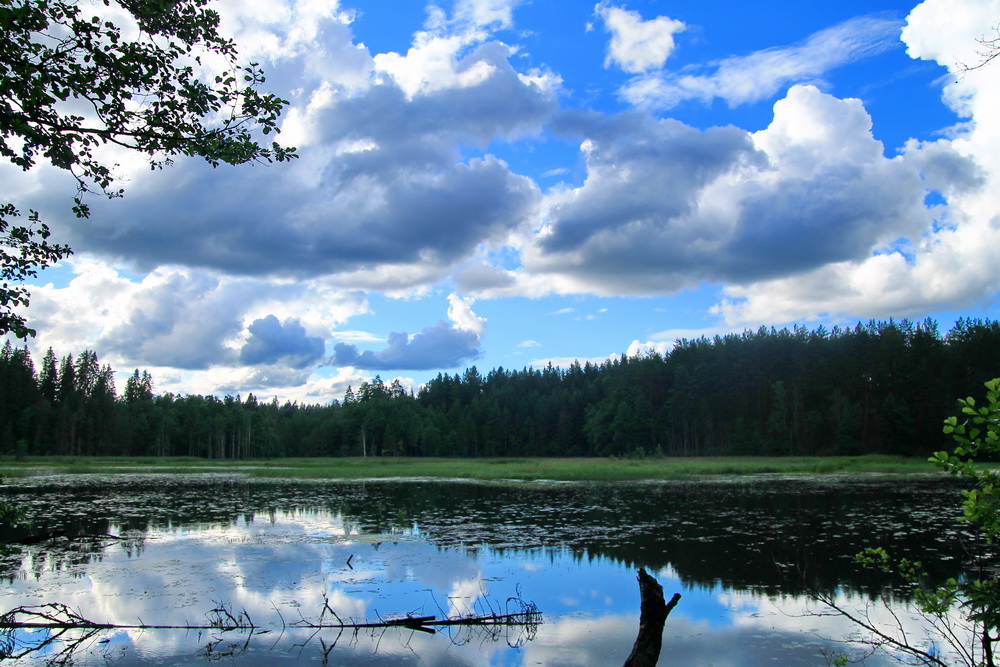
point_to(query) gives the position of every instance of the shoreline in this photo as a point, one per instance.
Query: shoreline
(486, 469)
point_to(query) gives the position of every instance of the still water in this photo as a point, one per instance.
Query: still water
(745, 554)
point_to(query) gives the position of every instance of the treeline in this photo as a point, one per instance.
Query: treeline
(880, 387)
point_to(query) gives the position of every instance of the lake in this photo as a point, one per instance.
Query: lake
(745, 554)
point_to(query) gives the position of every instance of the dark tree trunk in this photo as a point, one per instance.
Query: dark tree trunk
(652, 617)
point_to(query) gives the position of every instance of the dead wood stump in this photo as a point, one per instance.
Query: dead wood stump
(652, 617)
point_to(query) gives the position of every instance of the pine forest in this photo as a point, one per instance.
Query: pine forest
(880, 387)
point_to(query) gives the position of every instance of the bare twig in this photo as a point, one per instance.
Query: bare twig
(989, 51)
(880, 638)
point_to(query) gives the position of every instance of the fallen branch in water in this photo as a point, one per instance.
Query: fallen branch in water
(68, 630)
(527, 614)
(421, 622)
(58, 616)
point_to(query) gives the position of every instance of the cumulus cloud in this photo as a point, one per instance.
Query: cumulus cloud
(665, 206)
(639, 349)
(177, 319)
(401, 203)
(487, 13)
(178, 322)
(390, 191)
(251, 270)
(361, 336)
(313, 38)
(639, 169)
(271, 341)
(566, 362)
(482, 277)
(754, 77)
(301, 385)
(946, 32)
(951, 264)
(443, 345)
(440, 346)
(637, 45)
(266, 378)
(460, 312)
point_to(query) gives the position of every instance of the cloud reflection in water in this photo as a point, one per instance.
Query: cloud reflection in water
(280, 561)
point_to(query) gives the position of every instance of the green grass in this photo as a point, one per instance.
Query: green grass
(568, 469)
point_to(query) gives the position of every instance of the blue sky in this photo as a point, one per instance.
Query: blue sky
(508, 183)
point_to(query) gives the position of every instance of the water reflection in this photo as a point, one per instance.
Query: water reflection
(740, 553)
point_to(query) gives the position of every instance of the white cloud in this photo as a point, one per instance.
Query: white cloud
(637, 45)
(438, 58)
(482, 278)
(666, 206)
(464, 594)
(432, 64)
(953, 264)
(745, 79)
(440, 346)
(397, 215)
(671, 336)
(311, 391)
(395, 189)
(188, 327)
(460, 312)
(637, 349)
(389, 192)
(566, 362)
(272, 342)
(358, 336)
(315, 33)
(487, 13)
(946, 32)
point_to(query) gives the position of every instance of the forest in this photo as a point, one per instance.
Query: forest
(880, 387)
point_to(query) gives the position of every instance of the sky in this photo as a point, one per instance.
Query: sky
(509, 183)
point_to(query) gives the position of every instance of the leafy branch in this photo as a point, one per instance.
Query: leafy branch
(72, 82)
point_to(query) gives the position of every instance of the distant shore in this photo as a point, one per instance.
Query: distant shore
(555, 469)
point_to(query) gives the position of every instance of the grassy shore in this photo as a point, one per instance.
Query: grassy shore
(565, 469)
